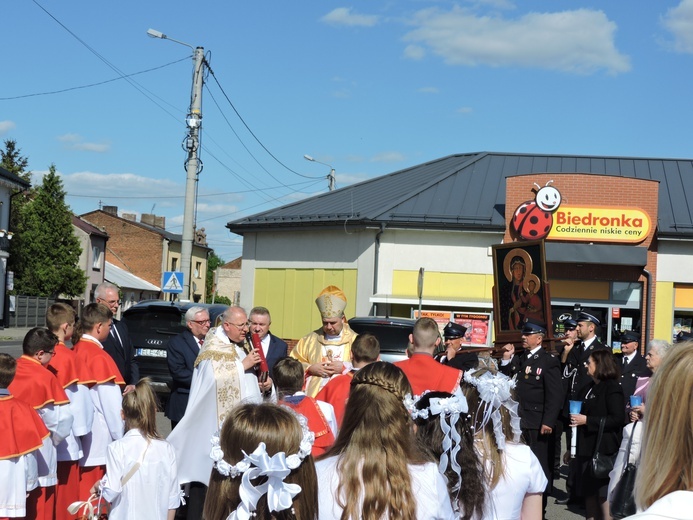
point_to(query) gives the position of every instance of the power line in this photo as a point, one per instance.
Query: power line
(120, 73)
(252, 133)
(93, 84)
(242, 143)
(145, 197)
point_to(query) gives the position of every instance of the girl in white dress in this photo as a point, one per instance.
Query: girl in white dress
(444, 427)
(263, 468)
(141, 477)
(375, 468)
(514, 476)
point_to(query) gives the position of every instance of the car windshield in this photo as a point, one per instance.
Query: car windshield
(164, 321)
(392, 338)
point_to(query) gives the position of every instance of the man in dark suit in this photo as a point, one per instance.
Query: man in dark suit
(538, 375)
(118, 344)
(454, 354)
(259, 321)
(182, 352)
(576, 379)
(575, 368)
(633, 365)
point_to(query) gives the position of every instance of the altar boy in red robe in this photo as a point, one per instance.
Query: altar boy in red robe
(60, 320)
(38, 387)
(22, 432)
(101, 375)
(288, 376)
(364, 351)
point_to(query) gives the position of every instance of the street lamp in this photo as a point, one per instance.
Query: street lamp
(330, 176)
(193, 165)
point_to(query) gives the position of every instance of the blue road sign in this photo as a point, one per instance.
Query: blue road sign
(173, 282)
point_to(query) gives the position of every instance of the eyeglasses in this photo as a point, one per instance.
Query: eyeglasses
(49, 352)
(109, 302)
(201, 322)
(239, 327)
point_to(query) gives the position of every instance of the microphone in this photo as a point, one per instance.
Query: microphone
(257, 345)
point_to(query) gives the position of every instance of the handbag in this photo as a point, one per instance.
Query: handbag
(87, 510)
(602, 464)
(622, 503)
(91, 509)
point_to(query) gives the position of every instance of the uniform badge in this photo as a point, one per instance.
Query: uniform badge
(538, 372)
(528, 369)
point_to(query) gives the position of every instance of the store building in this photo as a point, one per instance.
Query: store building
(619, 244)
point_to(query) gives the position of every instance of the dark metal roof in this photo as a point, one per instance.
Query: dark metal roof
(467, 191)
(15, 181)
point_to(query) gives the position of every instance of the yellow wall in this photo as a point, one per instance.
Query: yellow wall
(290, 296)
(443, 285)
(683, 297)
(664, 310)
(579, 290)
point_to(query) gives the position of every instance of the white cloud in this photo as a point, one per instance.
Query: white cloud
(75, 142)
(428, 90)
(344, 16)
(496, 4)
(120, 185)
(342, 93)
(388, 157)
(579, 41)
(414, 52)
(346, 179)
(6, 126)
(679, 21)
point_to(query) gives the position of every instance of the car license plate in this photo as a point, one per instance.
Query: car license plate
(151, 352)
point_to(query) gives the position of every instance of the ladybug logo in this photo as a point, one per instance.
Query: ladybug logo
(533, 219)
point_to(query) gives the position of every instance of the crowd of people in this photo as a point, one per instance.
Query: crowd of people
(327, 431)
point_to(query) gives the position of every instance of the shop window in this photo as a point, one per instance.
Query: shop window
(683, 321)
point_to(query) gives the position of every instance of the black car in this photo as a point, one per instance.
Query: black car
(392, 333)
(152, 323)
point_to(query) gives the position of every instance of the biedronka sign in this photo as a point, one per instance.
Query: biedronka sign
(590, 224)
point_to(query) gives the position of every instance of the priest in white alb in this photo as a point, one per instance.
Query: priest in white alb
(222, 378)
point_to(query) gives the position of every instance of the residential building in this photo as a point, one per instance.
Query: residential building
(9, 182)
(147, 250)
(92, 260)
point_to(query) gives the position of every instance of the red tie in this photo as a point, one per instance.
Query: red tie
(200, 341)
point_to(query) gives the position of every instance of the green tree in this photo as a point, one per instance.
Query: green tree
(213, 261)
(13, 161)
(223, 300)
(47, 251)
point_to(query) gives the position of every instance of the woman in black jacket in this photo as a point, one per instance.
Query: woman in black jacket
(602, 399)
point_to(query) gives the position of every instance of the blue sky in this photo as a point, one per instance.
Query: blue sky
(368, 87)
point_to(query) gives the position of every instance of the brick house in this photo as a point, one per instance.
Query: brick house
(146, 249)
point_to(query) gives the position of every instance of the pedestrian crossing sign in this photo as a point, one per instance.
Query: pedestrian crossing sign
(173, 282)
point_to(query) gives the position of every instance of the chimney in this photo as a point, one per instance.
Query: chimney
(147, 218)
(132, 217)
(160, 222)
(111, 210)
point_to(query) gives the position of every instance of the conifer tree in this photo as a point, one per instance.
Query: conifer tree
(46, 253)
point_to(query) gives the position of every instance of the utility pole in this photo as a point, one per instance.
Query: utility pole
(193, 168)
